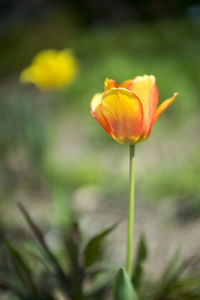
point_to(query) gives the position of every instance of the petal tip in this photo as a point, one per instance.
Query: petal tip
(175, 94)
(109, 83)
(95, 101)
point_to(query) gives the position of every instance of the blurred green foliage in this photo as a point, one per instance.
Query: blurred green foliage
(34, 126)
(30, 122)
(80, 272)
(41, 275)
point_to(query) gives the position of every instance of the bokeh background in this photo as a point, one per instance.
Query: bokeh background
(56, 159)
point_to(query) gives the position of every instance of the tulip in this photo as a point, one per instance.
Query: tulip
(128, 111)
(50, 69)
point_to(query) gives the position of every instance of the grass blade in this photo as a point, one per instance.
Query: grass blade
(63, 279)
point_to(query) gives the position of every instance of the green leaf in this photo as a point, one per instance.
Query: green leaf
(21, 269)
(187, 288)
(123, 288)
(170, 284)
(61, 276)
(99, 285)
(93, 249)
(169, 278)
(76, 272)
(141, 256)
(10, 283)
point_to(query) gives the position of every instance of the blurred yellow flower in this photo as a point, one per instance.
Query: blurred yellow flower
(51, 69)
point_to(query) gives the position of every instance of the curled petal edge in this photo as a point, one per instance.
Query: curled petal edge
(162, 107)
(97, 114)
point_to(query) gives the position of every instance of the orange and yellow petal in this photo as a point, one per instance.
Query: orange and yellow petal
(163, 106)
(146, 90)
(109, 84)
(124, 115)
(142, 86)
(96, 112)
(125, 84)
(150, 110)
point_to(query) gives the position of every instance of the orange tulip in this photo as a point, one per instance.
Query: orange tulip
(128, 111)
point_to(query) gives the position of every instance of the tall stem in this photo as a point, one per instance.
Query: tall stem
(131, 212)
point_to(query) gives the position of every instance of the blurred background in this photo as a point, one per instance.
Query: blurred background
(56, 159)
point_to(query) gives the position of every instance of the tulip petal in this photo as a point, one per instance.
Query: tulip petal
(124, 114)
(109, 84)
(144, 87)
(96, 112)
(163, 106)
(125, 84)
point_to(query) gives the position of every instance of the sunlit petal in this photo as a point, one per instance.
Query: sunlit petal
(123, 112)
(146, 90)
(96, 112)
(125, 84)
(109, 84)
(163, 106)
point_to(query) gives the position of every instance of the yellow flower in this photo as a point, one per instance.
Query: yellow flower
(50, 69)
(128, 111)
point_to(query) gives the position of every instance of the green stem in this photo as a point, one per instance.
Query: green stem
(131, 212)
